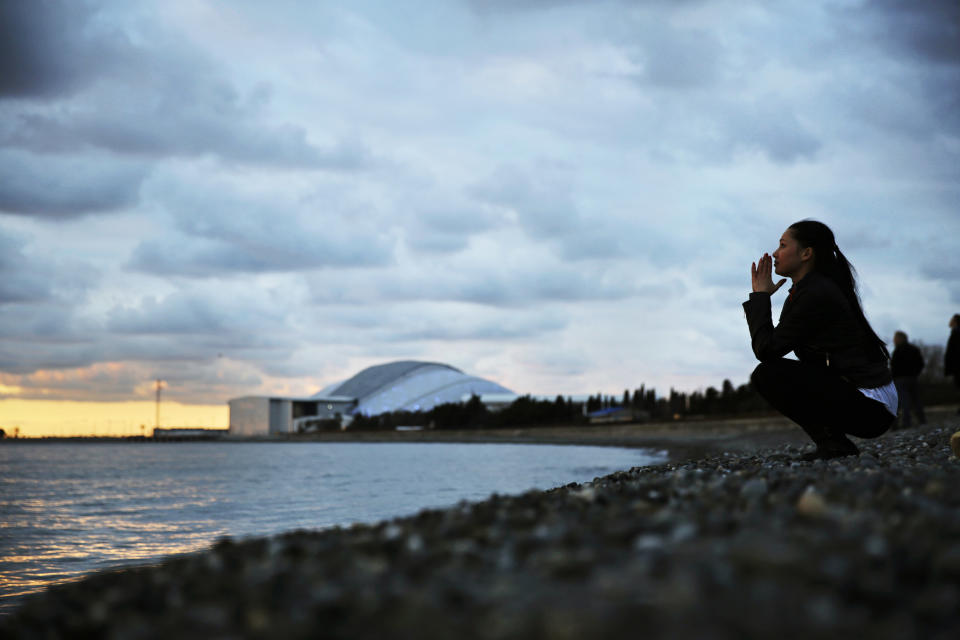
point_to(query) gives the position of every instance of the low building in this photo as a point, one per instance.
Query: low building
(187, 433)
(407, 385)
(270, 415)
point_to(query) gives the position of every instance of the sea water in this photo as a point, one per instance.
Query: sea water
(67, 509)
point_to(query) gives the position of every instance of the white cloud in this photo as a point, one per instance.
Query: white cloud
(564, 196)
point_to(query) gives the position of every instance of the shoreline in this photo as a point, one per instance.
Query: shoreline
(630, 435)
(727, 545)
(682, 440)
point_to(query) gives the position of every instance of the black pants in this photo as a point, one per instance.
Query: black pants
(825, 405)
(909, 400)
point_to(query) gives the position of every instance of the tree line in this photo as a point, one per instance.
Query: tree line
(639, 405)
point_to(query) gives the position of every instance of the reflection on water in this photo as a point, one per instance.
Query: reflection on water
(68, 509)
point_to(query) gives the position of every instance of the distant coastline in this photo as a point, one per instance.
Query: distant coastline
(681, 439)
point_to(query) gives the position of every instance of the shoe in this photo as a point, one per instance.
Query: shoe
(837, 447)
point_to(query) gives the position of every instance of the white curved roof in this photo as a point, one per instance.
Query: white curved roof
(409, 385)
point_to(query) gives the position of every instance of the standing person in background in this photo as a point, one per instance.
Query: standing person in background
(906, 363)
(841, 382)
(951, 358)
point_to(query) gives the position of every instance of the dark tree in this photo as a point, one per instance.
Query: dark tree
(932, 361)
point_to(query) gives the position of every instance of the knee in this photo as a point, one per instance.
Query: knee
(770, 377)
(760, 376)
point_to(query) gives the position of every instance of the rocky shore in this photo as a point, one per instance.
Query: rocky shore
(730, 545)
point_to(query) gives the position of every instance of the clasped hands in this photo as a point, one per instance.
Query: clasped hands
(761, 274)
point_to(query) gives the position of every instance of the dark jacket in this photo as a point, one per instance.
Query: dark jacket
(818, 324)
(906, 361)
(951, 358)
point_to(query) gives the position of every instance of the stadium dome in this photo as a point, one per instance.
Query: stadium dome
(409, 385)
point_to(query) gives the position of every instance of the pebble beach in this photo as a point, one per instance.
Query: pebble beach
(744, 543)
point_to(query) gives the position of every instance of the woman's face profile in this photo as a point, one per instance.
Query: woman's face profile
(786, 259)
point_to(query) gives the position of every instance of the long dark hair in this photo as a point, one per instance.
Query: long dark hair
(828, 260)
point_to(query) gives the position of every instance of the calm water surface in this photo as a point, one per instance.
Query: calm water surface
(68, 509)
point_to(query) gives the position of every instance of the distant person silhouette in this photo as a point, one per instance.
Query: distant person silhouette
(951, 357)
(841, 382)
(906, 363)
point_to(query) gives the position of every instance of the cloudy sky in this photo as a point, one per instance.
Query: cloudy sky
(563, 196)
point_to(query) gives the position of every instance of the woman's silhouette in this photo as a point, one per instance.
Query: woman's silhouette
(841, 382)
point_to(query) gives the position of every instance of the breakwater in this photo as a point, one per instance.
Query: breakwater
(728, 545)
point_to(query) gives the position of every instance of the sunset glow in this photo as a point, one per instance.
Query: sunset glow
(46, 418)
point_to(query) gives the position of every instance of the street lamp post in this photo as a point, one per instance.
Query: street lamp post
(160, 384)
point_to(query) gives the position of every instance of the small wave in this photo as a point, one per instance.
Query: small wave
(73, 519)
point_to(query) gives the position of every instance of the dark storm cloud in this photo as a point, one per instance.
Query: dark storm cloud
(157, 96)
(922, 37)
(927, 29)
(42, 51)
(58, 187)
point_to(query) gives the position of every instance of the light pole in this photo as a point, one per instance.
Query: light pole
(160, 384)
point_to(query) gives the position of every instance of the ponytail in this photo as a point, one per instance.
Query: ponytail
(830, 261)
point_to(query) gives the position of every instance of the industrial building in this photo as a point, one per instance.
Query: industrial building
(406, 385)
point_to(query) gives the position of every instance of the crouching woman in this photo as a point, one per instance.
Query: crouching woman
(841, 382)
